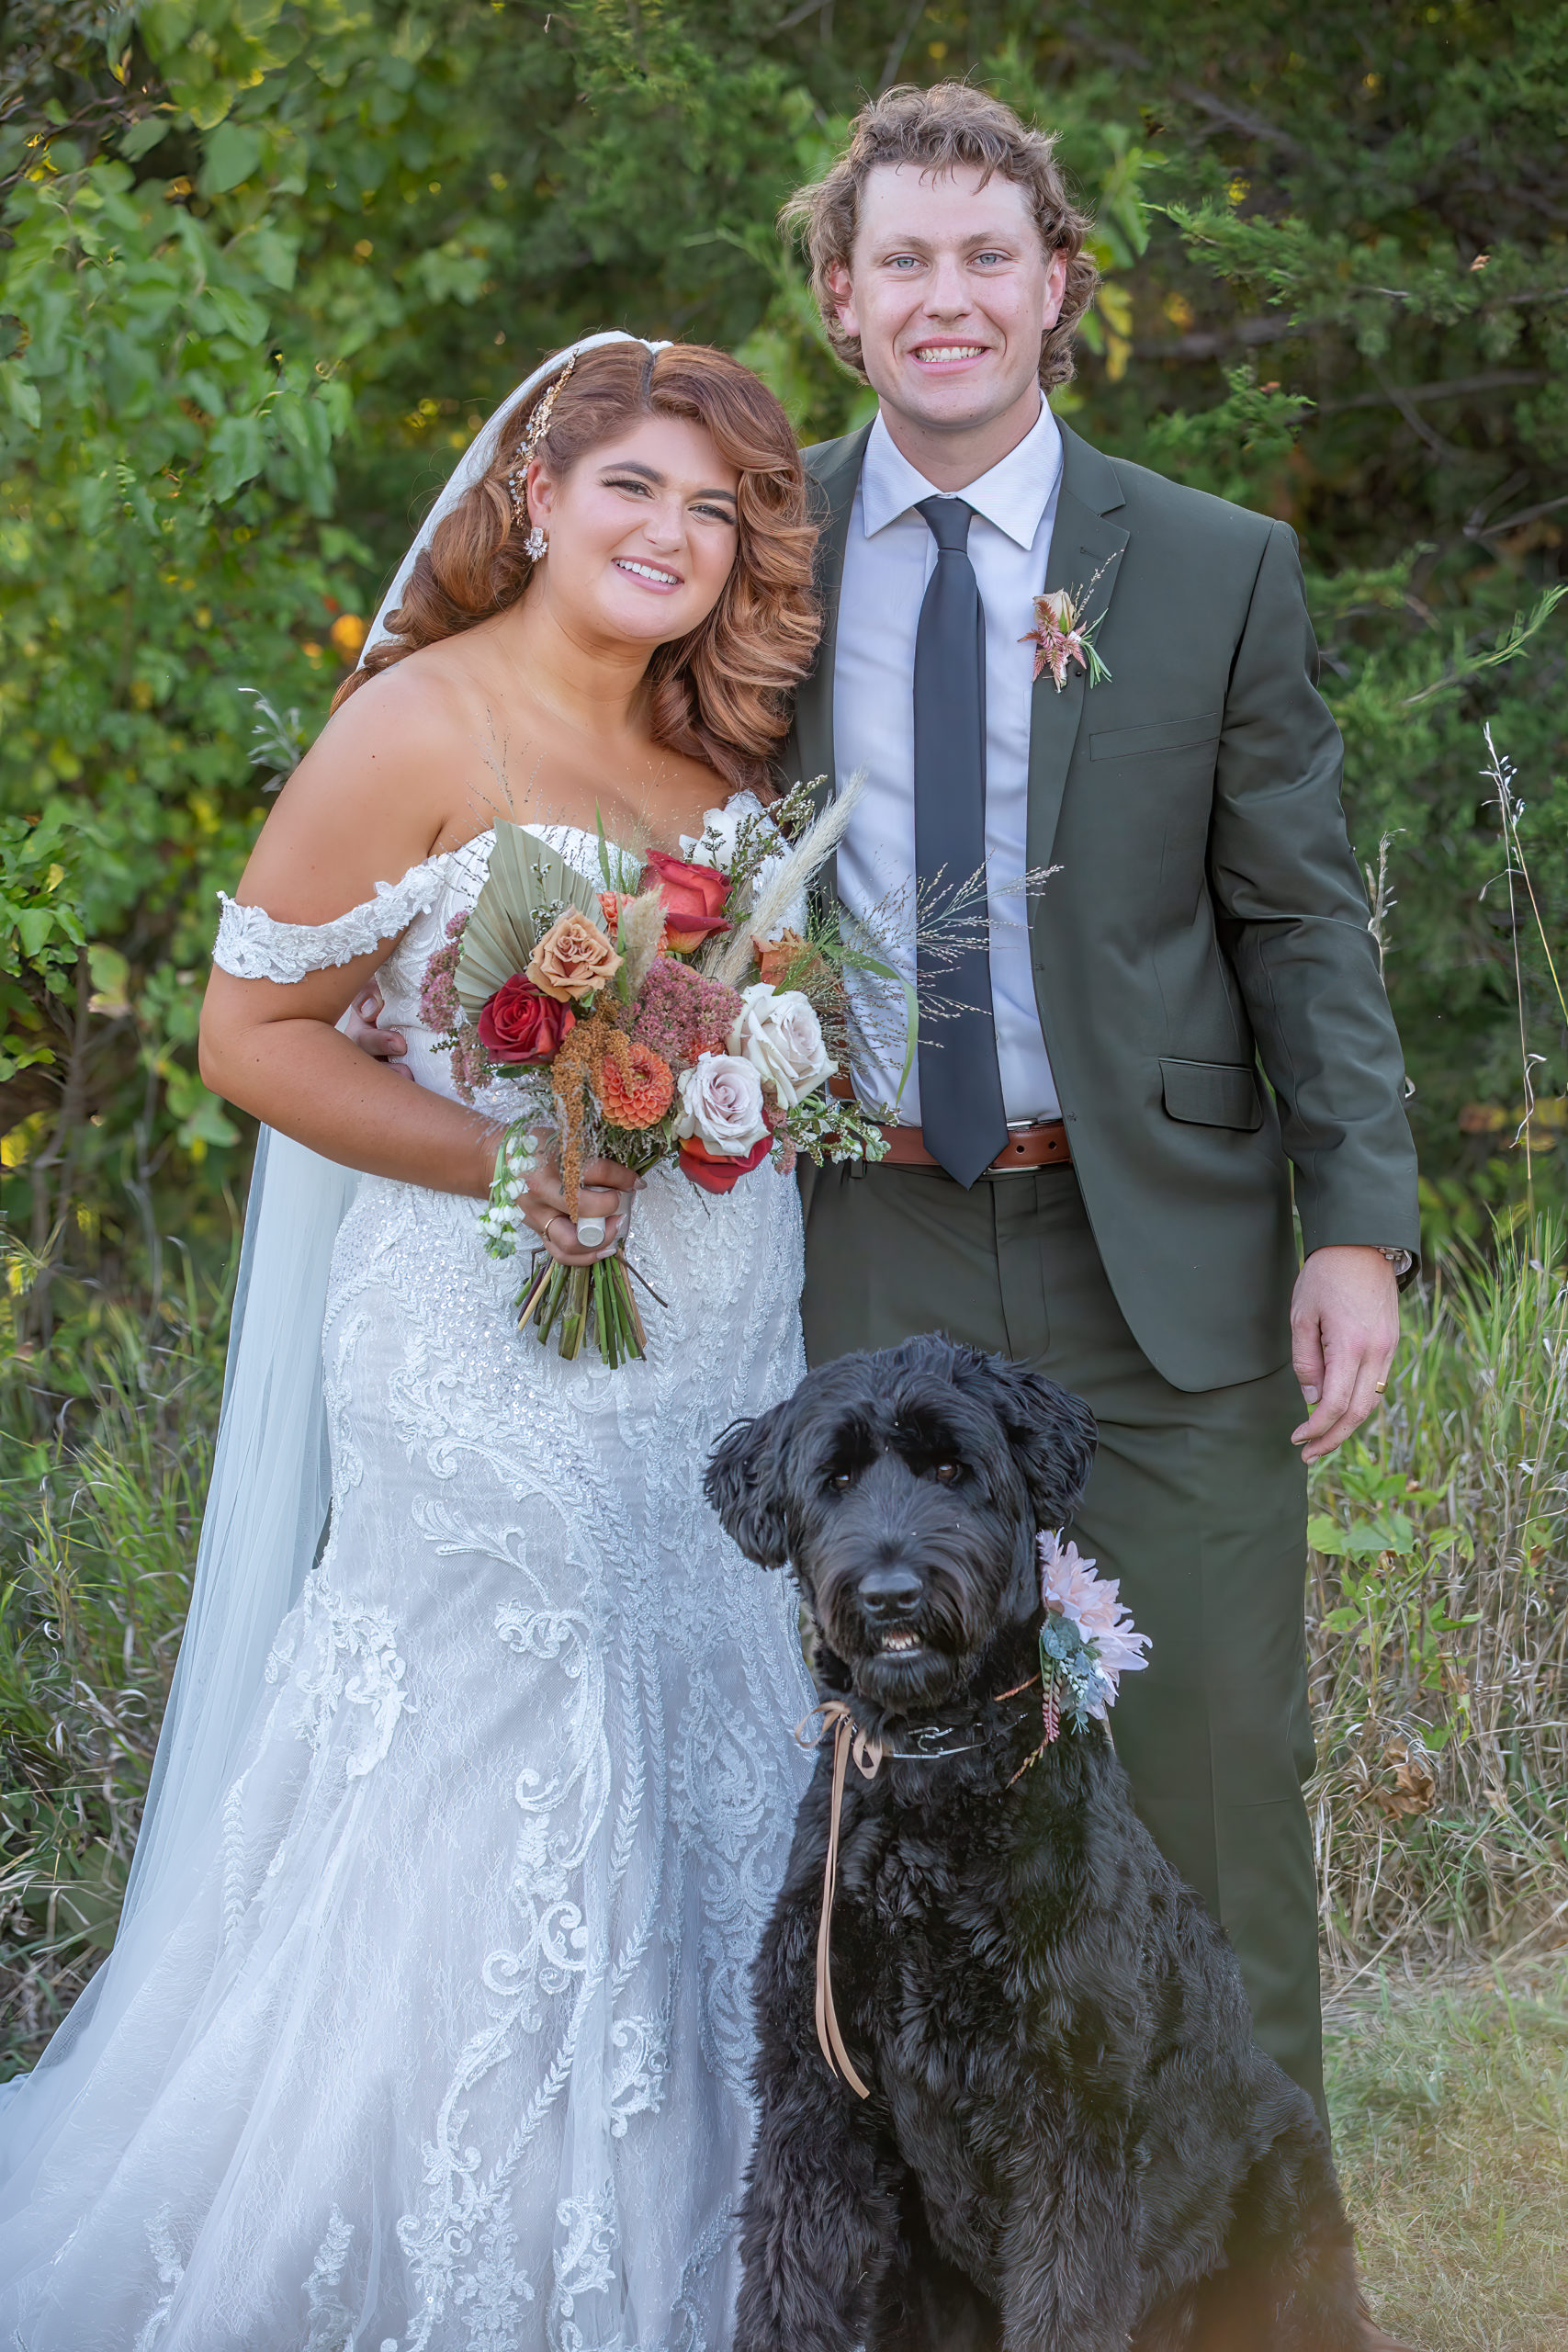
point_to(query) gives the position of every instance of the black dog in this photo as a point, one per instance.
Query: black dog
(1071, 2142)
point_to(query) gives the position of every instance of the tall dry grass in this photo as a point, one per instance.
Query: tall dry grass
(1439, 1623)
(98, 1528)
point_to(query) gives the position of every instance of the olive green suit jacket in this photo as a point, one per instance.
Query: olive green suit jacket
(1207, 928)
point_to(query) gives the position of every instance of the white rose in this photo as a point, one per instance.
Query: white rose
(781, 1036)
(718, 842)
(721, 1105)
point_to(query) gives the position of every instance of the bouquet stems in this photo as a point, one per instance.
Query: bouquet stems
(579, 1304)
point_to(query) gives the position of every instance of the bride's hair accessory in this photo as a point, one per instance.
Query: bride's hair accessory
(527, 449)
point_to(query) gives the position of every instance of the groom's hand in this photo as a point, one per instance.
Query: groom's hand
(1344, 1330)
(361, 1025)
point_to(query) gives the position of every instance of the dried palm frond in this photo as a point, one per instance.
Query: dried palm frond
(527, 885)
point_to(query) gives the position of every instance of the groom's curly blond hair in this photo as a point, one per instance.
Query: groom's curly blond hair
(938, 129)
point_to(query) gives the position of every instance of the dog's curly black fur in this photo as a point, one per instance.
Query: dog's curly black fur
(1072, 2142)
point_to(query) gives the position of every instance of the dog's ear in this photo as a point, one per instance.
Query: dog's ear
(743, 1484)
(1052, 1432)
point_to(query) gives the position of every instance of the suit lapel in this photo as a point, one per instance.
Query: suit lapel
(1083, 542)
(835, 469)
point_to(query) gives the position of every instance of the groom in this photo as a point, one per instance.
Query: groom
(1092, 1164)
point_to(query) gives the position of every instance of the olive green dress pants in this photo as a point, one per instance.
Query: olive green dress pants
(1197, 1502)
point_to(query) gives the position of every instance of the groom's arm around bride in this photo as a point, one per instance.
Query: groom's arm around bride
(1204, 930)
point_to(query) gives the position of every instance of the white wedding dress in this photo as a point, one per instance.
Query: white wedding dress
(449, 2045)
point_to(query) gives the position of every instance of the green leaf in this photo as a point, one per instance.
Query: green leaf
(21, 394)
(237, 313)
(272, 256)
(237, 452)
(35, 927)
(233, 150)
(526, 878)
(142, 137)
(111, 975)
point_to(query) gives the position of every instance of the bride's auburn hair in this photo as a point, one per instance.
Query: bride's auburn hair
(721, 693)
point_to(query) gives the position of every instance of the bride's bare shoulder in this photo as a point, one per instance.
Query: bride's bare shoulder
(420, 701)
(396, 774)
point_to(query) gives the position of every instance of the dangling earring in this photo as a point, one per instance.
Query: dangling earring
(536, 547)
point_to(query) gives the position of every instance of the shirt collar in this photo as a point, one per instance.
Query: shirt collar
(1014, 495)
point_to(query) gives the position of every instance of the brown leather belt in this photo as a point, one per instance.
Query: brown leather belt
(1042, 1144)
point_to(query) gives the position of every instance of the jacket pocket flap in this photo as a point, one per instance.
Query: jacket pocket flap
(1213, 1094)
(1168, 735)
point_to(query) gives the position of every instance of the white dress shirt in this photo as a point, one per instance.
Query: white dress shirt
(888, 559)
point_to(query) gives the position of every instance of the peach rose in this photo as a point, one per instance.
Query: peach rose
(574, 959)
(786, 960)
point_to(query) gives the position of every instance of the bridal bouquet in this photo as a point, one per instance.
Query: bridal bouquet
(674, 1013)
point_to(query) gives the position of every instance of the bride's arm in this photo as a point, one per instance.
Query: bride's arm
(373, 799)
(272, 1048)
(393, 779)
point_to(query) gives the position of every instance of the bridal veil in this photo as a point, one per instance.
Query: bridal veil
(266, 1517)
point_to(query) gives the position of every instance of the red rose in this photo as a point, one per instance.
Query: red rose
(714, 1170)
(521, 1023)
(694, 899)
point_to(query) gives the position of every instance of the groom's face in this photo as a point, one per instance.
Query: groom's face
(951, 291)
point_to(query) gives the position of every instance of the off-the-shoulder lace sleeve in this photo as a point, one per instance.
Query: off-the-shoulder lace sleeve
(254, 945)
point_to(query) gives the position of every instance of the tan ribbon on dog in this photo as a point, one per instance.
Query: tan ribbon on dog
(848, 1740)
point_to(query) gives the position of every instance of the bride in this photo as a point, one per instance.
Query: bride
(427, 2025)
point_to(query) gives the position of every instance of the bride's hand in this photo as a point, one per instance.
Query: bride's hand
(604, 1190)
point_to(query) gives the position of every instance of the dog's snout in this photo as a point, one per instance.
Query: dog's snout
(890, 1591)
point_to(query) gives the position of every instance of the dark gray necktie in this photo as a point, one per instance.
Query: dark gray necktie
(961, 1087)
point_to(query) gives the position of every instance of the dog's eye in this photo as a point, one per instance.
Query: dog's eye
(947, 1473)
(839, 1481)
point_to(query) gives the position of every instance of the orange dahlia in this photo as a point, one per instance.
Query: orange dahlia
(637, 1086)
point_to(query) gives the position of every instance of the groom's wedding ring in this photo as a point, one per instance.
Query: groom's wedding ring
(1379, 1385)
(590, 1232)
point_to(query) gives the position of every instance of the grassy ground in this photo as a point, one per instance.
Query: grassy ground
(1449, 2096)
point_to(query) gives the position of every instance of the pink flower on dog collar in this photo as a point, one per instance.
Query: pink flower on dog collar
(1087, 1641)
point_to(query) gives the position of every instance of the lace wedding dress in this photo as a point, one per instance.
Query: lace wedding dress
(450, 2046)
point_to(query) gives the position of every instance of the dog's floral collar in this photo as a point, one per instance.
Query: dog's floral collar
(1087, 1641)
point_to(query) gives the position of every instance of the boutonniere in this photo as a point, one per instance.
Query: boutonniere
(1061, 634)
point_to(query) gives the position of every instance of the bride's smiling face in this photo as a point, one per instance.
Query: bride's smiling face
(642, 533)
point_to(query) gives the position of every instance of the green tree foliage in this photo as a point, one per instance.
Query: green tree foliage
(267, 265)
